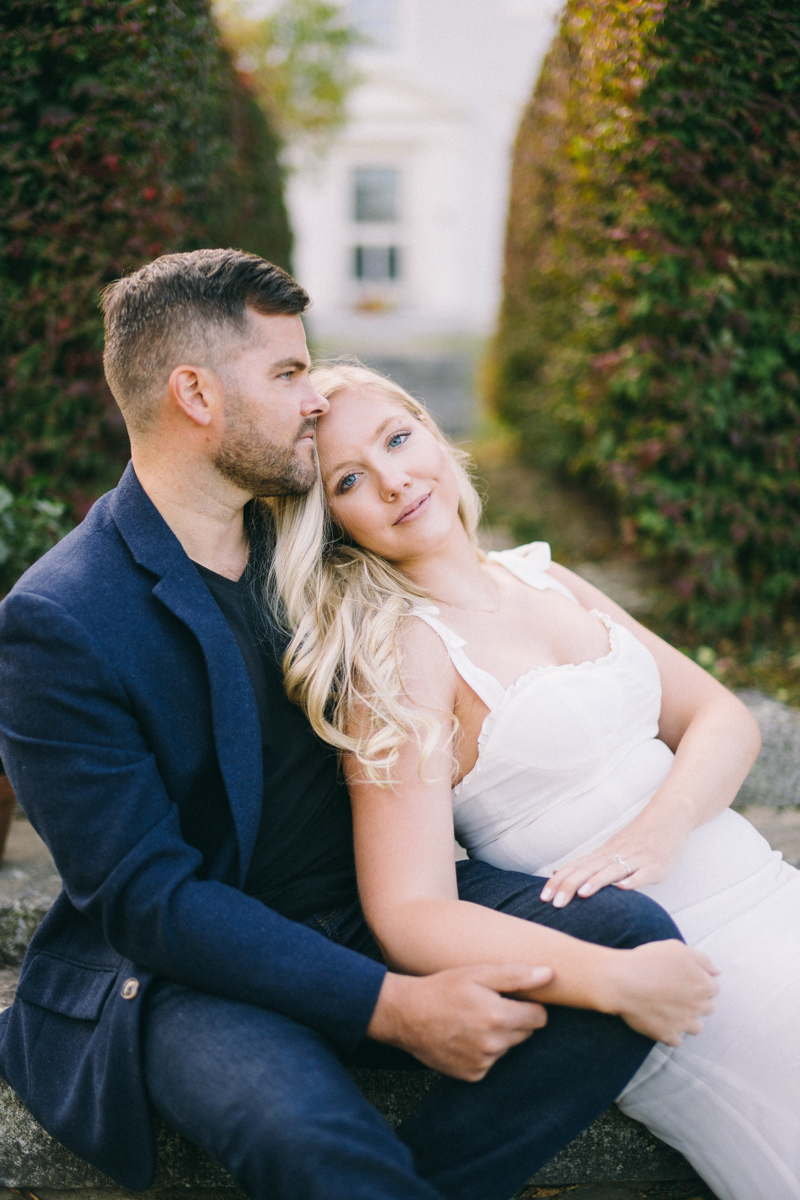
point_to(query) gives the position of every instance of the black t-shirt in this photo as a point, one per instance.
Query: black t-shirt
(303, 857)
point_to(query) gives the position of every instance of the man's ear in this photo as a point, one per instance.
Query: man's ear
(195, 390)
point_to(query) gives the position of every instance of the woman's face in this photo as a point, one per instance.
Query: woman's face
(389, 481)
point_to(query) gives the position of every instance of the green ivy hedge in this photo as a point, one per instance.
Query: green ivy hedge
(650, 335)
(125, 132)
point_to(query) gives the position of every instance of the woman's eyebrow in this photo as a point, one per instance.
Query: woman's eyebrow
(375, 437)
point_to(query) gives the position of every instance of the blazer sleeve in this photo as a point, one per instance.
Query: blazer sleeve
(77, 759)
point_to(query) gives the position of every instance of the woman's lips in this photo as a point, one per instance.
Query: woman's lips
(414, 510)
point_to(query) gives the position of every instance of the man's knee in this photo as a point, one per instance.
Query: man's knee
(611, 917)
(629, 918)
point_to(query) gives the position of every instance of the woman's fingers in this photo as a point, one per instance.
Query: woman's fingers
(614, 872)
(584, 877)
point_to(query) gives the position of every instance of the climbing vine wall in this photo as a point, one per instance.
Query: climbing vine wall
(650, 336)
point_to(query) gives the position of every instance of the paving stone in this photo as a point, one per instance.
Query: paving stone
(775, 777)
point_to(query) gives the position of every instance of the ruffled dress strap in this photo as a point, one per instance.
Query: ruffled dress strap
(531, 564)
(484, 685)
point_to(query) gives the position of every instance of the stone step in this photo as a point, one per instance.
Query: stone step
(29, 884)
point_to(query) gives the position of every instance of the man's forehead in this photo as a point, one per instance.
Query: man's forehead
(282, 335)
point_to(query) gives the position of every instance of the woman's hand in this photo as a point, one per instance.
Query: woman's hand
(646, 851)
(663, 989)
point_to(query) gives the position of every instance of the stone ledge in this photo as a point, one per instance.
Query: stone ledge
(775, 777)
(611, 1150)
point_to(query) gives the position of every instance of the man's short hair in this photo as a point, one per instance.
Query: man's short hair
(177, 309)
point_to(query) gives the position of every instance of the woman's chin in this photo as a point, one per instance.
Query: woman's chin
(422, 543)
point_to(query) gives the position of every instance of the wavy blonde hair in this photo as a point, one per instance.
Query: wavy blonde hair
(344, 607)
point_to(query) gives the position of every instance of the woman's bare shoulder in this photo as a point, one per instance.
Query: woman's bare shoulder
(428, 675)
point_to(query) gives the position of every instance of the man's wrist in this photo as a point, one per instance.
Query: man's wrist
(388, 1016)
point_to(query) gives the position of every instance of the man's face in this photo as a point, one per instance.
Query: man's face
(271, 410)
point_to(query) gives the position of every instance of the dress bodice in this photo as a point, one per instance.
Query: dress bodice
(557, 735)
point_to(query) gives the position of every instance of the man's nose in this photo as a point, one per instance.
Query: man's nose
(313, 404)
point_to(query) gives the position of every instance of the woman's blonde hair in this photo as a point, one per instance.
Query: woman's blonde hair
(344, 607)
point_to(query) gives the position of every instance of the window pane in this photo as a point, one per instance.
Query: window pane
(377, 21)
(376, 263)
(376, 194)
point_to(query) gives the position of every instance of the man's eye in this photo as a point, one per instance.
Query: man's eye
(397, 439)
(346, 482)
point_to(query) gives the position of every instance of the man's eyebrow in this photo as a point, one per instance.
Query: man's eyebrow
(375, 437)
(290, 362)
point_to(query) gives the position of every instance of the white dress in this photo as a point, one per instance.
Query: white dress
(567, 757)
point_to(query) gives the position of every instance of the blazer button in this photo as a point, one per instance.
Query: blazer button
(130, 989)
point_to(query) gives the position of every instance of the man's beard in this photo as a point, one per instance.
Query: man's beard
(260, 467)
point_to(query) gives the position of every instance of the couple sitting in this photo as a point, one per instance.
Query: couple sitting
(247, 629)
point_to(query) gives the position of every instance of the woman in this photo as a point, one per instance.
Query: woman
(506, 698)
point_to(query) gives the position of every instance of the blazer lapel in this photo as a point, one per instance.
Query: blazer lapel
(237, 732)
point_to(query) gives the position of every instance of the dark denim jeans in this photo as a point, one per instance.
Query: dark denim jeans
(269, 1099)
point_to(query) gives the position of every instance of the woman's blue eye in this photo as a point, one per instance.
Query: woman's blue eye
(346, 482)
(397, 439)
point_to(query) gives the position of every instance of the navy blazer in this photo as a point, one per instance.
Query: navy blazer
(129, 730)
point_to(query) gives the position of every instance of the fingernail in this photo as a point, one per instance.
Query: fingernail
(585, 890)
(560, 900)
(546, 893)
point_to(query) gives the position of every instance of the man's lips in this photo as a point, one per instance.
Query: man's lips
(411, 511)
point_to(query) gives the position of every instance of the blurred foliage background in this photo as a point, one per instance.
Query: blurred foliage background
(127, 130)
(646, 373)
(297, 61)
(649, 344)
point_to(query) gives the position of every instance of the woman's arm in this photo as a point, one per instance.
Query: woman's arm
(715, 741)
(407, 882)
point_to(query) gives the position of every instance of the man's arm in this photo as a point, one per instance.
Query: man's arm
(80, 765)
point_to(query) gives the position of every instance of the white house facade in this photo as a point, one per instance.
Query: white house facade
(399, 227)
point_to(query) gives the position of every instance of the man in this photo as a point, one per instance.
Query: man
(207, 958)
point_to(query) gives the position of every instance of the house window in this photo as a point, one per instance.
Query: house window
(377, 21)
(376, 194)
(376, 264)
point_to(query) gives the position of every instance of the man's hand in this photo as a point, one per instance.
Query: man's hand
(459, 1021)
(662, 988)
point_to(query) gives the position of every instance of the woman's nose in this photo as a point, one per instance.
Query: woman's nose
(392, 483)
